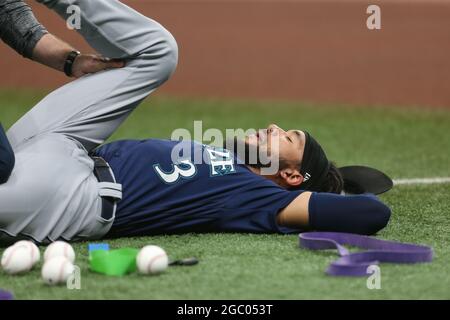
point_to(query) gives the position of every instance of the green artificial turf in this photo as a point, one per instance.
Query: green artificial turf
(403, 142)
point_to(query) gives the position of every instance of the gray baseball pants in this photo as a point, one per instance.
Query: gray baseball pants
(52, 193)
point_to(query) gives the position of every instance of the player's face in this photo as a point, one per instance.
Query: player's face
(287, 145)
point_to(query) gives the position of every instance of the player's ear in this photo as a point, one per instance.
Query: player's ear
(292, 177)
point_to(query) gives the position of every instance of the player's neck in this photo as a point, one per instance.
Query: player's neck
(257, 171)
(254, 170)
(274, 178)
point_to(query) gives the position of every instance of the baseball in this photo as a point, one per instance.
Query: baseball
(17, 259)
(152, 260)
(35, 253)
(59, 248)
(57, 270)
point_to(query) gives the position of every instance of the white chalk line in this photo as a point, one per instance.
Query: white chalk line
(421, 181)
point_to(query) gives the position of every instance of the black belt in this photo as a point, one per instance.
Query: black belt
(104, 175)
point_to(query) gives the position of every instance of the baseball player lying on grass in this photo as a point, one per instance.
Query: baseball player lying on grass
(60, 188)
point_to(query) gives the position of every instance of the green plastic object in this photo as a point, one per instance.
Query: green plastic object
(117, 262)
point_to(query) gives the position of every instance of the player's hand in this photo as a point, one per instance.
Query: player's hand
(91, 63)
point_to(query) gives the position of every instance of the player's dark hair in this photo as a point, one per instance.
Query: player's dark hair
(334, 182)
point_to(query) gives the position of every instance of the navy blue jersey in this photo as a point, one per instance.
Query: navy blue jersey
(7, 158)
(203, 189)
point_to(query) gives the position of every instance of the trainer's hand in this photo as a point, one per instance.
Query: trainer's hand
(52, 52)
(91, 63)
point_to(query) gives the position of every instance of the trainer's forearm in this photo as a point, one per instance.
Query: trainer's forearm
(19, 27)
(51, 52)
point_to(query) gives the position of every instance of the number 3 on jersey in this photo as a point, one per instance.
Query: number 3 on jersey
(185, 169)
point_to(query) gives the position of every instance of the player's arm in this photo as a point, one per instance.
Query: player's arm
(362, 214)
(7, 158)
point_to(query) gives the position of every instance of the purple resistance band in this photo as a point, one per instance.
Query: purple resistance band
(6, 295)
(355, 264)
